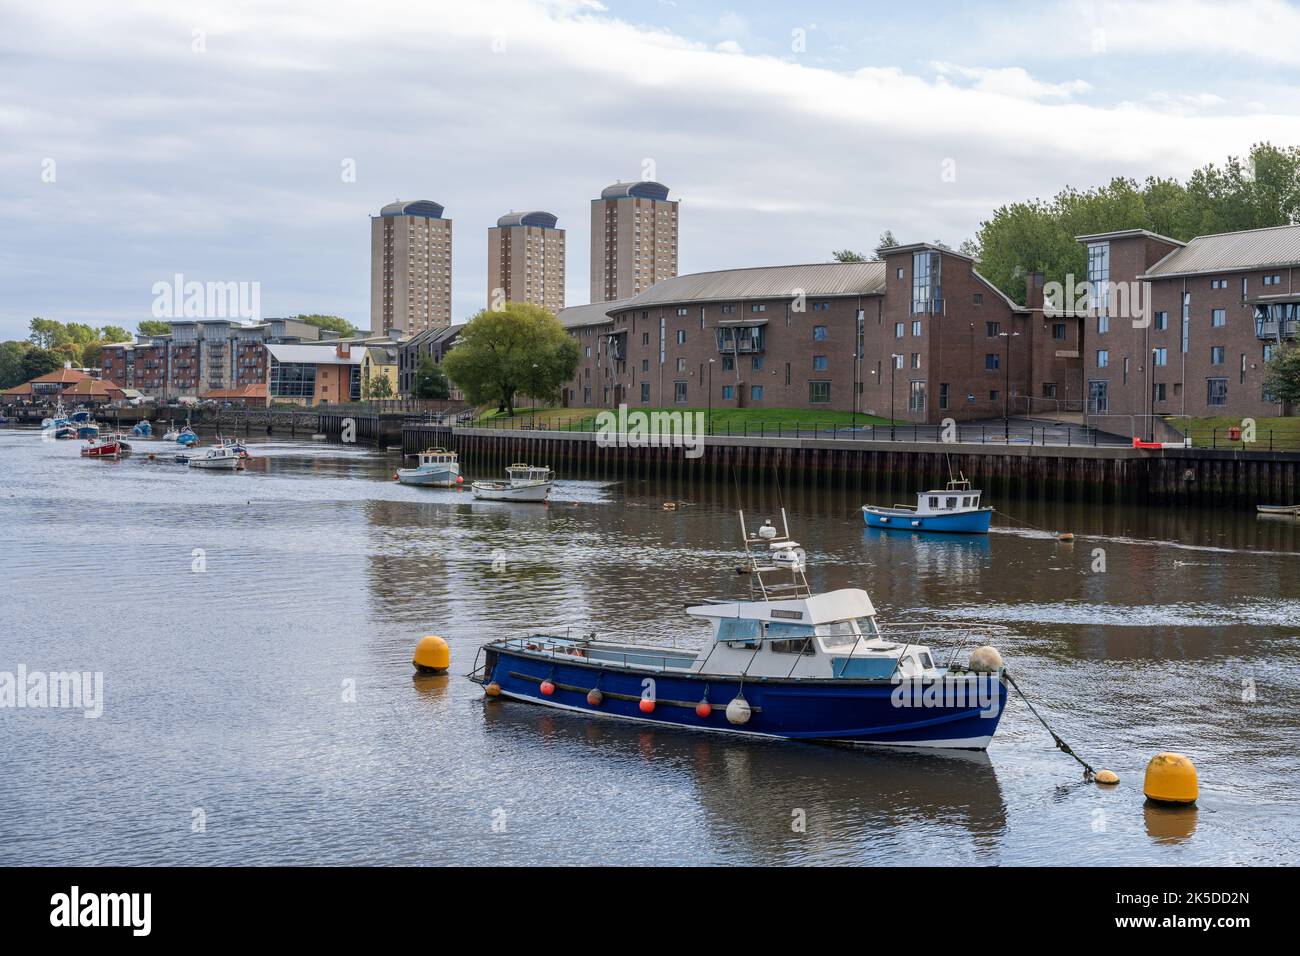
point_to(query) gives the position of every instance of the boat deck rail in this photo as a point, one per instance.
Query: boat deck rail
(588, 650)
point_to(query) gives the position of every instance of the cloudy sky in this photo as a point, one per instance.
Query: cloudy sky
(143, 139)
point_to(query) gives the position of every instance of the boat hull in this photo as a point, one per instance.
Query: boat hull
(975, 521)
(867, 712)
(215, 464)
(494, 491)
(436, 478)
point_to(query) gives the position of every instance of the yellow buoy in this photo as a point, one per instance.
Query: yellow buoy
(432, 655)
(1064, 536)
(1170, 778)
(493, 689)
(1107, 777)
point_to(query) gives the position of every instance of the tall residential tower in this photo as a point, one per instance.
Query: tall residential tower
(633, 239)
(526, 260)
(410, 268)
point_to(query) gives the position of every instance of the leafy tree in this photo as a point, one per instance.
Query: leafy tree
(1282, 375)
(39, 361)
(887, 240)
(430, 380)
(519, 348)
(47, 333)
(114, 333)
(154, 327)
(11, 363)
(378, 387)
(848, 255)
(332, 322)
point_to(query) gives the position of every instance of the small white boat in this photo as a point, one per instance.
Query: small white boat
(436, 466)
(523, 483)
(1291, 511)
(220, 457)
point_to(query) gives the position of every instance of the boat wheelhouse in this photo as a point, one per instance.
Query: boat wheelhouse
(955, 509)
(435, 466)
(786, 663)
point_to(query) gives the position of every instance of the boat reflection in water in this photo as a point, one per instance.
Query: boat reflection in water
(853, 802)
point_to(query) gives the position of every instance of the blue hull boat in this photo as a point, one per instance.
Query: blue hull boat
(787, 664)
(878, 711)
(892, 519)
(955, 510)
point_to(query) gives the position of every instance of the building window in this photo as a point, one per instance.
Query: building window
(293, 379)
(1103, 358)
(1162, 321)
(1058, 331)
(1098, 277)
(819, 363)
(1098, 397)
(943, 395)
(1219, 318)
(1273, 280)
(645, 392)
(683, 311)
(727, 392)
(992, 361)
(1242, 377)
(1158, 392)
(926, 266)
(994, 395)
(898, 361)
(681, 364)
(977, 298)
(681, 336)
(991, 329)
(916, 397)
(1216, 354)
(679, 393)
(760, 307)
(1216, 391)
(588, 351)
(819, 393)
(900, 272)
(1187, 319)
(756, 392)
(1268, 353)
(1103, 323)
(819, 333)
(1049, 390)
(756, 363)
(899, 330)
(645, 338)
(1218, 283)
(728, 310)
(728, 363)
(916, 327)
(645, 365)
(1160, 357)
(916, 360)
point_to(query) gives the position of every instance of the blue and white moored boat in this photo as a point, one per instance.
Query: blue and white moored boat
(954, 509)
(787, 664)
(142, 429)
(435, 466)
(186, 437)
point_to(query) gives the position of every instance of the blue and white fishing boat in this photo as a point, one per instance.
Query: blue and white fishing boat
(954, 509)
(186, 437)
(786, 663)
(435, 466)
(142, 429)
(87, 429)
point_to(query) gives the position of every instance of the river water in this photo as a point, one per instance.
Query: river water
(254, 632)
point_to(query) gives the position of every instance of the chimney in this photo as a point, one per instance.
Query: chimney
(1034, 290)
(343, 349)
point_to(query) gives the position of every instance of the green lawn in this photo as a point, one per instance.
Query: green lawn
(1212, 432)
(734, 420)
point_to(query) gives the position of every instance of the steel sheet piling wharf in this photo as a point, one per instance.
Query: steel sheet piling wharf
(1052, 472)
(284, 712)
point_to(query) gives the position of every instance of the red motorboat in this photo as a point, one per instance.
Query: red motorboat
(102, 448)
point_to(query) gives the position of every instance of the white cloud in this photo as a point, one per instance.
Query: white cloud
(226, 164)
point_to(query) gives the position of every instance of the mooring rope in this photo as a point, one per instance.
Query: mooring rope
(1088, 772)
(1023, 522)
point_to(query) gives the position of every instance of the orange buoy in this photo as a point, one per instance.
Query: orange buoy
(460, 479)
(594, 697)
(395, 478)
(703, 709)
(493, 689)
(647, 705)
(548, 688)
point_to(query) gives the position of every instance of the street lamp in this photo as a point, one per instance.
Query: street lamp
(533, 389)
(1006, 394)
(709, 429)
(1151, 379)
(894, 359)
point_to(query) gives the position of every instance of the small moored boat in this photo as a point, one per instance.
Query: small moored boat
(523, 483)
(187, 437)
(435, 466)
(787, 664)
(1291, 511)
(142, 429)
(218, 457)
(108, 447)
(954, 509)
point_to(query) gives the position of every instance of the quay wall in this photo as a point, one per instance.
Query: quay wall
(1091, 474)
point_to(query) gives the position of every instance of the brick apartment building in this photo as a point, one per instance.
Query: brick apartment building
(633, 239)
(1215, 309)
(933, 339)
(526, 260)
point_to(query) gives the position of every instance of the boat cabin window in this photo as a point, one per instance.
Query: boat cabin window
(952, 503)
(744, 629)
(934, 502)
(845, 634)
(799, 645)
(965, 502)
(926, 660)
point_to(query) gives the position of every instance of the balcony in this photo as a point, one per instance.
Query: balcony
(741, 339)
(1274, 329)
